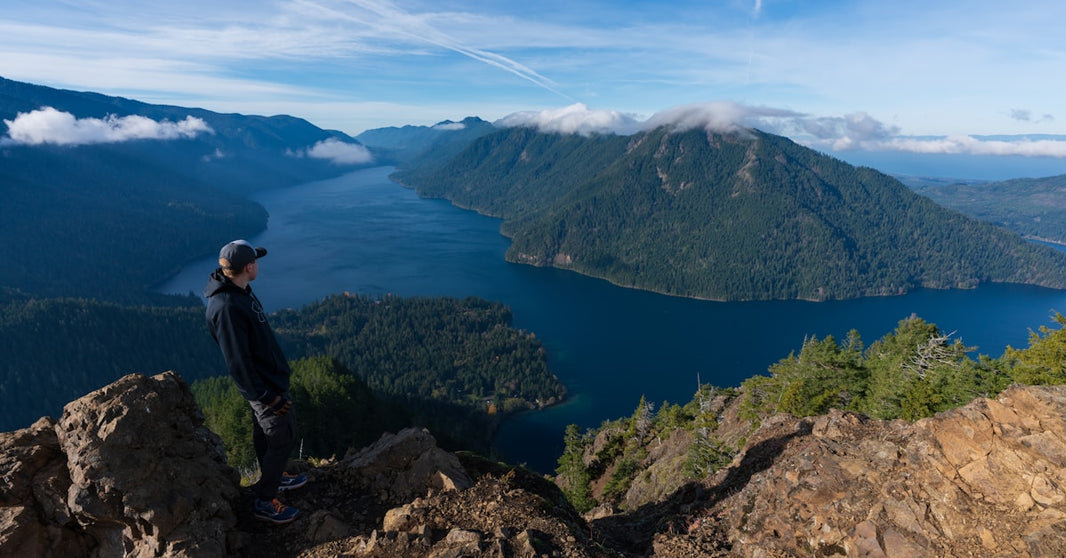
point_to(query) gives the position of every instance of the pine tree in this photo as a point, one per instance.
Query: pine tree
(573, 476)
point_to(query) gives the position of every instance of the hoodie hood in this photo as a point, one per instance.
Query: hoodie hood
(218, 282)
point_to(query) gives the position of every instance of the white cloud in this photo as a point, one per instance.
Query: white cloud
(573, 119)
(973, 146)
(339, 152)
(450, 126)
(50, 126)
(717, 116)
(853, 131)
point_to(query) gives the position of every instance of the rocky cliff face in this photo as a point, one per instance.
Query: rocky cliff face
(130, 470)
(988, 479)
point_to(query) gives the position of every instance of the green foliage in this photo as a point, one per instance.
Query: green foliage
(671, 416)
(106, 216)
(706, 455)
(911, 373)
(443, 349)
(56, 350)
(1044, 361)
(456, 364)
(334, 410)
(227, 414)
(622, 477)
(641, 422)
(450, 361)
(573, 476)
(824, 375)
(724, 216)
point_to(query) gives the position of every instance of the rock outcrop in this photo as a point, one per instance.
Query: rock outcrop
(987, 479)
(34, 481)
(129, 470)
(404, 496)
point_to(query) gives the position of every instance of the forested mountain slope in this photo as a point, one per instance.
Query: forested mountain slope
(109, 217)
(735, 216)
(444, 359)
(1034, 207)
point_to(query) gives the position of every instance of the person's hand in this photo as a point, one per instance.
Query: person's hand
(280, 406)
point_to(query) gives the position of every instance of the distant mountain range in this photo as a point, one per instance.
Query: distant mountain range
(1034, 207)
(116, 209)
(424, 145)
(736, 216)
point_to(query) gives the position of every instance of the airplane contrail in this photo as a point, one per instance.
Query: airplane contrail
(394, 21)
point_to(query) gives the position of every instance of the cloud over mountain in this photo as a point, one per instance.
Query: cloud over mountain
(50, 126)
(574, 119)
(450, 126)
(339, 152)
(853, 131)
(717, 116)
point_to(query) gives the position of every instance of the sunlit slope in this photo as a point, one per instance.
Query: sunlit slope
(734, 216)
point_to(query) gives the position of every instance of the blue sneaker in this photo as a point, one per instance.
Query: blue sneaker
(274, 511)
(291, 482)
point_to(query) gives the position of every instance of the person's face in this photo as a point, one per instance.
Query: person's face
(252, 270)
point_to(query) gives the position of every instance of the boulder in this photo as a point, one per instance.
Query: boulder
(407, 465)
(129, 470)
(147, 478)
(34, 517)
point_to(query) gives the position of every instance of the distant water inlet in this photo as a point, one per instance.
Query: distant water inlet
(362, 233)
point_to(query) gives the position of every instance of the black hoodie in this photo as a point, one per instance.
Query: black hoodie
(239, 325)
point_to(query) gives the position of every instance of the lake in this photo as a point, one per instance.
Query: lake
(362, 233)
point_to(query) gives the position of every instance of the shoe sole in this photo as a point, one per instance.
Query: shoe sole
(276, 521)
(283, 488)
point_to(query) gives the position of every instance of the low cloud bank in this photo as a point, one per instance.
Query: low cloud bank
(338, 152)
(574, 119)
(50, 126)
(970, 145)
(719, 116)
(854, 131)
(450, 126)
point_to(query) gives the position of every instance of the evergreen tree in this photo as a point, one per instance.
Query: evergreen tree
(1044, 361)
(572, 475)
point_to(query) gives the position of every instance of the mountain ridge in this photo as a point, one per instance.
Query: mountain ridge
(735, 216)
(1031, 206)
(107, 209)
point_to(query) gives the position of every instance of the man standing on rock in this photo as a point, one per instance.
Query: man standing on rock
(255, 361)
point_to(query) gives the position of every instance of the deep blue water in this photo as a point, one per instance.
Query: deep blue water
(364, 234)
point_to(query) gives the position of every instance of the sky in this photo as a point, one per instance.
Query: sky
(974, 78)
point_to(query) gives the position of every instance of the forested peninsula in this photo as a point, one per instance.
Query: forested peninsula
(743, 215)
(456, 365)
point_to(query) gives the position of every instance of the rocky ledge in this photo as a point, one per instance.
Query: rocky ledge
(129, 470)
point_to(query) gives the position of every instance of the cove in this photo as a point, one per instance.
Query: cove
(610, 345)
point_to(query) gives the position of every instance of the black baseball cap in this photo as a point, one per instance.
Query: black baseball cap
(239, 253)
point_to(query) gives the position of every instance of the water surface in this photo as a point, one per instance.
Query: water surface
(362, 233)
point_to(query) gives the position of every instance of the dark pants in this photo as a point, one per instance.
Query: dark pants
(273, 438)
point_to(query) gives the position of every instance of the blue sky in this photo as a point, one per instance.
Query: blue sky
(904, 76)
